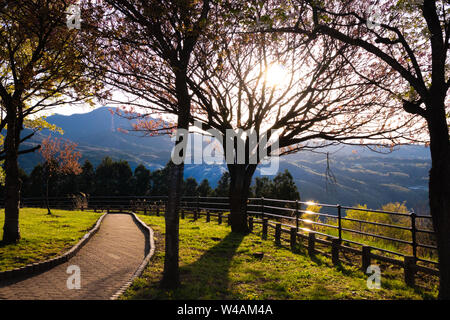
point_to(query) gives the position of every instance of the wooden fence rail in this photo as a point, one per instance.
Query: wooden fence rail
(284, 217)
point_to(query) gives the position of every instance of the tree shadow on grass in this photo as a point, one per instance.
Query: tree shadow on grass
(208, 277)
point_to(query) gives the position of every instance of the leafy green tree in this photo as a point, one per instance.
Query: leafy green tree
(113, 178)
(23, 181)
(158, 181)
(87, 178)
(41, 67)
(223, 186)
(263, 187)
(204, 189)
(284, 187)
(67, 184)
(103, 175)
(141, 180)
(36, 181)
(190, 187)
(122, 178)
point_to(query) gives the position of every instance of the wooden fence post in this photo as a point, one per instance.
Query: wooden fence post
(413, 234)
(157, 210)
(182, 213)
(262, 207)
(250, 224)
(335, 245)
(197, 208)
(409, 266)
(264, 228)
(220, 218)
(293, 238)
(278, 234)
(365, 257)
(228, 219)
(208, 216)
(311, 243)
(339, 222)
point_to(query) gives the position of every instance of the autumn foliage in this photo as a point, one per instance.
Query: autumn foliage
(60, 157)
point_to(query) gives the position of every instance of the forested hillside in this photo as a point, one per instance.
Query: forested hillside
(360, 176)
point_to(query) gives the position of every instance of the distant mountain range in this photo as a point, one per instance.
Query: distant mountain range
(362, 176)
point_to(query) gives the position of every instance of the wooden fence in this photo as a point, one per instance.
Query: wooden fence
(286, 217)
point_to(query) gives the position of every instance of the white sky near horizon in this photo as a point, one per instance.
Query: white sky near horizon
(69, 110)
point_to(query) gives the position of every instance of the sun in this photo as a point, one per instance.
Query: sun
(276, 75)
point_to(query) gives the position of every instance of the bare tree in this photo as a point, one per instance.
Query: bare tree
(302, 90)
(147, 48)
(409, 40)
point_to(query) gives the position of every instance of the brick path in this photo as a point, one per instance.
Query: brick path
(106, 262)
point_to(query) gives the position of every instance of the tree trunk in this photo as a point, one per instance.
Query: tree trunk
(47, 174)
(171, 275)
(11, 230)
(241, 178)
(439, 196)
(439, 193)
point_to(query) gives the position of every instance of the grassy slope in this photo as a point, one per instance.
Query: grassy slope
(216, 264)
(44, 236)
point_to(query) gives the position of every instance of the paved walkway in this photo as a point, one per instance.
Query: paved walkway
(106, 262)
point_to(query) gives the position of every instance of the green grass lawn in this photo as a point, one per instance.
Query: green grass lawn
(217, 264)
(44, 236)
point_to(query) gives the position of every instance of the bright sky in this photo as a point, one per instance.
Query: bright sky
(67, 111)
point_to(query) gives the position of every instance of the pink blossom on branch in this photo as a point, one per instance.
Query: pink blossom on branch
(60, 156)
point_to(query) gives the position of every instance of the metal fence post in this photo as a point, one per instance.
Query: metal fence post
(339, 221)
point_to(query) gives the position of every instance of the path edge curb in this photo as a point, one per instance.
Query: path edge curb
(148, 232)
(40, 267)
